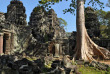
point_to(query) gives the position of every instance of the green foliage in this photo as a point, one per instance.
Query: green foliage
(73, 5)
(95, 3)
(108, 69)
(107, 30)
(108, 3)
(48, 65)
(89, 9)
(62, 22)
(103, 33)
(74, 63)
(38, 8)
(104, 19)
(46, 1)
(101, 17)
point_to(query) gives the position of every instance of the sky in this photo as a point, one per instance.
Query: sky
(69, 18)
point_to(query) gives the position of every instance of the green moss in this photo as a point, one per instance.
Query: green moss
(48, 65)
(108, 69)
(74, 63)
(90, 70)
(31, 59)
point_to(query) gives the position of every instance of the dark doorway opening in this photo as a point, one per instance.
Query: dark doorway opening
(53, 50)
(5, 37)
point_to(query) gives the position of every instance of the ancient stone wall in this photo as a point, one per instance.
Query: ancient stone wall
(33, 39)
(46, 29)
(22, 35)
(24, 42)
(41, 28)
(46, 24)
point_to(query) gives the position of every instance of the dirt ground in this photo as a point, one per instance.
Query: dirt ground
(106, 62)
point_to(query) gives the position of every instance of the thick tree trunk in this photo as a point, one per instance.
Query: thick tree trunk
(86, 49)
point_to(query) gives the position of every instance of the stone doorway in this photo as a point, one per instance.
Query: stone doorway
(5, 38)
(6, 43)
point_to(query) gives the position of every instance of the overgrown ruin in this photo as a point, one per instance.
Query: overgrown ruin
(42, 45)
(43, 34)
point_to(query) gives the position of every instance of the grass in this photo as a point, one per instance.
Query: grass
(91, 70)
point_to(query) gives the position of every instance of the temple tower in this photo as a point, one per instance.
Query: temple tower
(16, 13)
(91, 22)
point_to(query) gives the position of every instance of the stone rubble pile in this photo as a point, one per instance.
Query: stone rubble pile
(8, 65)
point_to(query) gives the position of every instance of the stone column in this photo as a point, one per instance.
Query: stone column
(57, 49)
(7, 44)
(12, 42)
(1, 43)
(61, 51)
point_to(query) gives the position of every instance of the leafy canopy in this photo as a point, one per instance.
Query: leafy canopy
(104, 19)
(108, 4)
(73, 5)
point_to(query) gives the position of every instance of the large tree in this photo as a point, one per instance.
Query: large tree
(85, 48)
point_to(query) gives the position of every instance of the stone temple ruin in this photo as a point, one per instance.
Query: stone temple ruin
(43, 34)
(17, 10)
(29, 49)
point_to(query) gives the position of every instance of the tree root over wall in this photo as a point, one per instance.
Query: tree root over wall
(88, 50)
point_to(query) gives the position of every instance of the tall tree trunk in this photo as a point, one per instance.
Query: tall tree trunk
(86, 49)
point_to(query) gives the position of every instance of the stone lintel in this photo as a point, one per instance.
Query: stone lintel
(4, 30)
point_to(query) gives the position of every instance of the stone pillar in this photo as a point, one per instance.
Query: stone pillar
(7, 44)
(61, 51)
(12, 42)
(1, 43)
(57, 49)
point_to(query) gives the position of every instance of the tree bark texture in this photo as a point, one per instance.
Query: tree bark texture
(86, 49)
